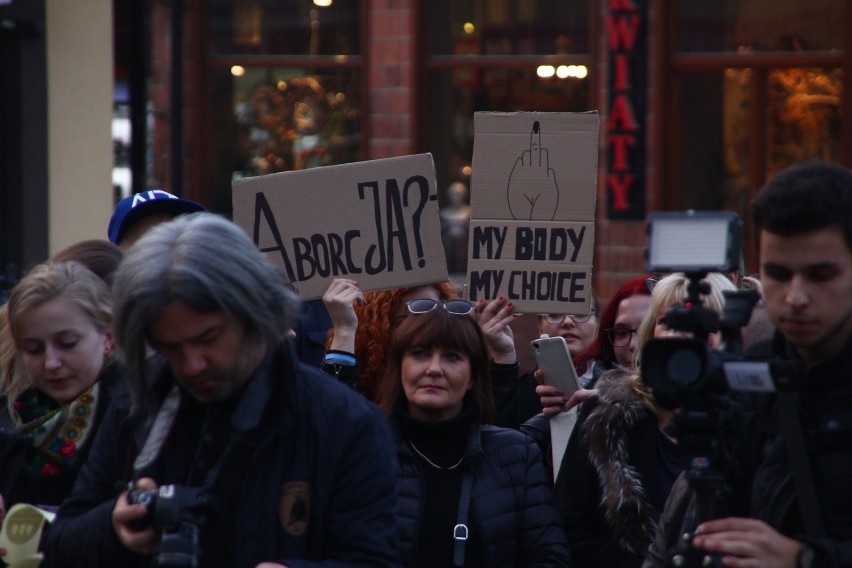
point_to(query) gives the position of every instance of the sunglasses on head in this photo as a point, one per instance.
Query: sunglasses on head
(455, 307)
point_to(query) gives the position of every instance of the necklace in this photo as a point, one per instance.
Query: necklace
(433, 464)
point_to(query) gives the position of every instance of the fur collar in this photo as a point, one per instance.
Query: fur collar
(623, 498)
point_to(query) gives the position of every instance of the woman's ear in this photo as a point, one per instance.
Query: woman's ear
(109, 342)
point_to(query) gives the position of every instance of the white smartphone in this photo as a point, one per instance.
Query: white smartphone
(554, 360)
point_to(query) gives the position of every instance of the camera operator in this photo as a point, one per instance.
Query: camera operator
(239, 456)
(803, 218)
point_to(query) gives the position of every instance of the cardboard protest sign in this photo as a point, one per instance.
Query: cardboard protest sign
(532, 209)
(376, 222)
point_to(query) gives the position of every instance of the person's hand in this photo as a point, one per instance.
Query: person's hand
(494, 318)
(339, 299)
(124, 515)
(532, 189)
(554, 401)
(747, 543)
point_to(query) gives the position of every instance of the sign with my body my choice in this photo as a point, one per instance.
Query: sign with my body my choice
(375, 222)
(532, 210)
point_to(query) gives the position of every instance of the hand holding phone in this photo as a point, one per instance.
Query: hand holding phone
(554, 360)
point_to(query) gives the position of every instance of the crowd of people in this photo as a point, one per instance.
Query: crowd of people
(175, 403)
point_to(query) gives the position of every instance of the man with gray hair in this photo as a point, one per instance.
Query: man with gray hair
(246, 458)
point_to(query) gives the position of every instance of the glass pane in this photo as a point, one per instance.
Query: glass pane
(457, 94)
(701, 141)
(803, 118)
(509, 27)
(273, 119)
(291, 27)
(736, 95)
(759, 25)
(716, 123)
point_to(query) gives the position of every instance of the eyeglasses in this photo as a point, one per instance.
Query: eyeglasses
(620, 336)
(557, 319)
(455, 307)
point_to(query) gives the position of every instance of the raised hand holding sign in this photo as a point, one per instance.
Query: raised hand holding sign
(532, 191)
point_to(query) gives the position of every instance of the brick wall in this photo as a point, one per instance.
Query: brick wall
(160, 96)
(390, 78)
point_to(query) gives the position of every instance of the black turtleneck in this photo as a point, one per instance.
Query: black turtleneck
(443, 443)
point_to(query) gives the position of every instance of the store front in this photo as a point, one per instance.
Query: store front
(750, 88)
(720, 94)
(700, 100)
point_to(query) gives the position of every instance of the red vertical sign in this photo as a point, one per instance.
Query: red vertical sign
(626, 29)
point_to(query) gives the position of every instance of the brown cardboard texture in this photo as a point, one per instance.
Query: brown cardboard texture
(534, 187)
(375, 222)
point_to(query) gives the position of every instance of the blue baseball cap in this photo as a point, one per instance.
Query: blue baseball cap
(136, 207)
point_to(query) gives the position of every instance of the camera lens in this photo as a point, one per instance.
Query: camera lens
(684, 367)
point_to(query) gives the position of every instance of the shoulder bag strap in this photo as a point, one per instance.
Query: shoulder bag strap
(460, 531)
(791, 431)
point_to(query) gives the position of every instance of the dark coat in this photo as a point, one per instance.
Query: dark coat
(18, 484)
(826, 417)
(313, 451)
(515, 399)
(609, 478)
(511, 507)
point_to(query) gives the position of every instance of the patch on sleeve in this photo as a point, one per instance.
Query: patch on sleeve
(294, 507)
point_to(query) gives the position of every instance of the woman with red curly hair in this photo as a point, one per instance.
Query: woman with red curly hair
(363, 323)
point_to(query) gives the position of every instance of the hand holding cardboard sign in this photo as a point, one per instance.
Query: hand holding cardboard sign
(339, 299)
(532, 191)
(494, 318)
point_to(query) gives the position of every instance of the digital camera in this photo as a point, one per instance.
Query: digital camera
(178, 512)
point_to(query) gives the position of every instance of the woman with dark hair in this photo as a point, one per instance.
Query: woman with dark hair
(468, 494)
(362, 326)
(363, 323)
(99, 256)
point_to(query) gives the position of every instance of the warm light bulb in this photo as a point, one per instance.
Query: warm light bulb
(238, 70)
(545, 71)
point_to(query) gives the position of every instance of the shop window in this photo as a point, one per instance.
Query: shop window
(286, 119)
(285, 88)
(292, 27)
(755, 86)
(759, 25)
(499, 55)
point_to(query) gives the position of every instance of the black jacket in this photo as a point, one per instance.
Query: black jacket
(609, 478)
(310, 482)
(511, 507)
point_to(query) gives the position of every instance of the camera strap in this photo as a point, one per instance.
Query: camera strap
(791, 431)
(159, 431)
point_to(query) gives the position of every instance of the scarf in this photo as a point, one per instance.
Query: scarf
(55, 432)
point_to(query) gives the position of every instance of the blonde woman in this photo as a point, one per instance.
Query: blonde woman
(58, 378)
(617, 473)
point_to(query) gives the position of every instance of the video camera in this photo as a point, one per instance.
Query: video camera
(178, 512)
(685, 372)
(710, 388)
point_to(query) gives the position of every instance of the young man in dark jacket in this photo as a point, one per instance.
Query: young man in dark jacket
(260, 461)
(804, 219)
